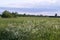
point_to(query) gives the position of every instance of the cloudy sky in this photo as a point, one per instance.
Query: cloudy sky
(30, 3)
(38, 5)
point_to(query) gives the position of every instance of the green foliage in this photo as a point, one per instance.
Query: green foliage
(7, 14)
(36, 28)
(56, 15)
(14, 14)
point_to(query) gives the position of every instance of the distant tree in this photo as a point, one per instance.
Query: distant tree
(0, 14)
(41, 15)
(24, 14)
(6, 14)
(14, 14)
(56, 15)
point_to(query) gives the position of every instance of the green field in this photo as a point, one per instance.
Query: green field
(30, 28)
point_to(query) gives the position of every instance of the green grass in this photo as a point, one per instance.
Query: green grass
(30, 28)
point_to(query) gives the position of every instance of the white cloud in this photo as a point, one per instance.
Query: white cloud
(27, 3)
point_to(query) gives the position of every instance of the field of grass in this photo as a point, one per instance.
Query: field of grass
(30, 28)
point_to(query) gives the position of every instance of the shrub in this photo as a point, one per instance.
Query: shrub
(14, 14)
(6, 14)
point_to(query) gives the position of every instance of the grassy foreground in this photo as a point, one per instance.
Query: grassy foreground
(30, 28)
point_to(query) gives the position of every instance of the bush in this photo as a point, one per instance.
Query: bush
(7, 14)
(14, 14)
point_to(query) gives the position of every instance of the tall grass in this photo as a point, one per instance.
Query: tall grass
(30, 28)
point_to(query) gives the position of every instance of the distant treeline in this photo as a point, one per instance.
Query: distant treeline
(7, 14)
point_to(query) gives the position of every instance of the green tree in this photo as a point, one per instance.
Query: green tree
(14, 14)
(56, 15)
(6, 14)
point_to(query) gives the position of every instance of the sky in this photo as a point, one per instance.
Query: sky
(30, 3)
(36, 4)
